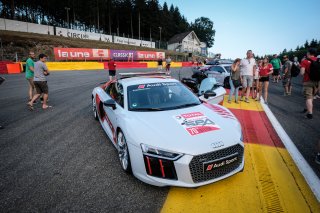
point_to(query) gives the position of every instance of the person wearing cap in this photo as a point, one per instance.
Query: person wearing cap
(309, 86)
(286, 78)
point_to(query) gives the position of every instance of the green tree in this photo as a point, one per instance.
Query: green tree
(203, 27)
(313, 43)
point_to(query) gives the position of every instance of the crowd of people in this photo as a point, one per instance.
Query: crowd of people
(254, 75)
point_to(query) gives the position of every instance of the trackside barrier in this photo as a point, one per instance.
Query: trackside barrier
(62, 66)
(3, 67)
(187, 64)
(14, 68)
(154, 64)
(121, 65)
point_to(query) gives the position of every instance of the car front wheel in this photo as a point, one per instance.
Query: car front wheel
(123, 152)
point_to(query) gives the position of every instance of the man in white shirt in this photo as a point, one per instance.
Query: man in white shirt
(247, 71)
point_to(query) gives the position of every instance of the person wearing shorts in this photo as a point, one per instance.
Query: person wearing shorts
(30, 74)
(276, 64)
(247, 70)
(112, 69)
(255, 86)
(309, 86)
(286, 80)
(40, 82)
(168, 64)
(160, 61)
(265, 70)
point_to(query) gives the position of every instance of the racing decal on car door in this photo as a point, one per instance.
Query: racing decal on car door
(104, 117)
(196, 123)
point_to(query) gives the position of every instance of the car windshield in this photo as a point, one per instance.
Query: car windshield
(207, 84)
(228, 68)
(160, 96)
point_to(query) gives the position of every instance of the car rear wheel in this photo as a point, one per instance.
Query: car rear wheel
(94, 109)
(123, 152)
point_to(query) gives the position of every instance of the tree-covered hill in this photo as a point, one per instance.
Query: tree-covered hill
(116, 17)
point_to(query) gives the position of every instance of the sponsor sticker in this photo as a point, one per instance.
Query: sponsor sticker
(196, 123)
(212, 165)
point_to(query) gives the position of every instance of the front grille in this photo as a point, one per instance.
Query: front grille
(196, 165)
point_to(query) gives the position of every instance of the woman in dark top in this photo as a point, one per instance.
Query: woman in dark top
(235, 80)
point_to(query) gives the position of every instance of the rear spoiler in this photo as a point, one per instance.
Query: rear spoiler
(142, 74)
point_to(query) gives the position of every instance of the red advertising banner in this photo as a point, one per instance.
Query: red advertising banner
(146, 55)
(81, 54)
(150, 55)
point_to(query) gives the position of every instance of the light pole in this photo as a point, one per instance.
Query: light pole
(67, 9)
(160, 36)
(98, 17)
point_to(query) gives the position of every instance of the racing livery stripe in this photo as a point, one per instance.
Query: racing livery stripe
(219, 110)
(111, 127)
(103, 116)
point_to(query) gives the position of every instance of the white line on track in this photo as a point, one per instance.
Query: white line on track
(305, 169)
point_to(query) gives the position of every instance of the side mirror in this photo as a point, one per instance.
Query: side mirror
(110, 103)
(209, 93)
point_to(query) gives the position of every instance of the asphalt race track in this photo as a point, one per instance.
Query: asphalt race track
(304, 133)
(62, 156)
(60, 159)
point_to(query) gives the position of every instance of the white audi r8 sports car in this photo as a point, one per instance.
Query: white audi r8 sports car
(165, 135)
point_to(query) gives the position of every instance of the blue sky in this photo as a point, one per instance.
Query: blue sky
(266, 27)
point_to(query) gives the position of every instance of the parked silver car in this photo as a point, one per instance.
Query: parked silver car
(220, 72)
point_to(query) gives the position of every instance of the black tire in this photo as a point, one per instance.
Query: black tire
(123, 152)
(226, 83)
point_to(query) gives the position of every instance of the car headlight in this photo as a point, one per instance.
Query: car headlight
(160, 153)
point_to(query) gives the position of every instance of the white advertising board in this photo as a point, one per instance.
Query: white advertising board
(120, 40)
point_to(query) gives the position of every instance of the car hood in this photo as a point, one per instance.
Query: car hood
(193, 130)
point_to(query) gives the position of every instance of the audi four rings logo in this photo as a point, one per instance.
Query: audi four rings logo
(217, 144)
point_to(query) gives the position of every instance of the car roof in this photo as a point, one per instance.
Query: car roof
(145, 80)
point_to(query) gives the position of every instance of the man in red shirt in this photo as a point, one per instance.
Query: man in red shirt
(112, 68)
(309, 86)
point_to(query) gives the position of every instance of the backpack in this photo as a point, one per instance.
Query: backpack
(295, 70)
(314, 70)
